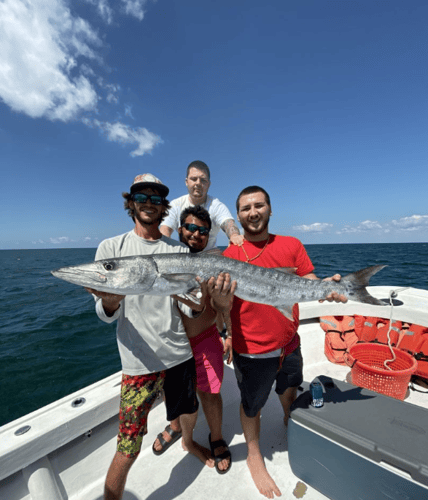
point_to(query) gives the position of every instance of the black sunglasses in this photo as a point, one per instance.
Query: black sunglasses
(203, 231)
(155, 199)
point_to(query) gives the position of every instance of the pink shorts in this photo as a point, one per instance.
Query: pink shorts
(208, 353)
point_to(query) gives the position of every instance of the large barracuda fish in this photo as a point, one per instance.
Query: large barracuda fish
(167, 274)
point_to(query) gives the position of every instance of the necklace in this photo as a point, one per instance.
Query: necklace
(258, 255)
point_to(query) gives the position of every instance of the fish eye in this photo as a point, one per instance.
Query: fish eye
(108, 266)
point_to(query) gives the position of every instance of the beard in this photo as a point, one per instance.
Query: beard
(192, 250)
(156, 221)
(251, 230)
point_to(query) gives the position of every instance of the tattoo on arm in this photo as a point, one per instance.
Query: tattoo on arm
(230, 228)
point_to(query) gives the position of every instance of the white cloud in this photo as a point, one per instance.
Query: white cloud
(316, 227)
(39, 47)
(411, 223)
(45, 72)
(87, 70)
(135, 8)
(128, 111)
(112, 98)
(124, 134)
(60, 240)
(367, 225)
(104, 9)
(348, 230)
(112, 90)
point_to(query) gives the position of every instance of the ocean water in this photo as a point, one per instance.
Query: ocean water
(52, 342)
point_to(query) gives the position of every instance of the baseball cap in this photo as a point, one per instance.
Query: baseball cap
(149, 180)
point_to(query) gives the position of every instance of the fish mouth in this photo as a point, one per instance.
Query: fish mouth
(79, 276)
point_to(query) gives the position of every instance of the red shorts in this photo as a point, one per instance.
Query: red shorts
(207, 350)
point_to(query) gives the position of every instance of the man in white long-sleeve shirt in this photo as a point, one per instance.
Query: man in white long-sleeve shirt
(153, 346)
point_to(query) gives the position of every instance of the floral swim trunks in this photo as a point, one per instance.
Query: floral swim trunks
(138, 393)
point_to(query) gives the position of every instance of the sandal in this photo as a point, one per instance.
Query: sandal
(222, 456)
(166, 444)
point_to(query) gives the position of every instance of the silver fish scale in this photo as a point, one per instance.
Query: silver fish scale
(256, 284)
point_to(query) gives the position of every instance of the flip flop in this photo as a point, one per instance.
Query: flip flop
(175, 436)
(222, 456)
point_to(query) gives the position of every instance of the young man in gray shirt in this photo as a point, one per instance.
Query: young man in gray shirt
(153, 346)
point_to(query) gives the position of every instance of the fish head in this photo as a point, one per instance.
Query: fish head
(123, 275)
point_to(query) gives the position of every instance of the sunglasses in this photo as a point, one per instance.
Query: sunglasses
(155, 199)
(203, 231)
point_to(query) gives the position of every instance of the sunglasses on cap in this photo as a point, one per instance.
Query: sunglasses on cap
(203, 231)
(155, 199)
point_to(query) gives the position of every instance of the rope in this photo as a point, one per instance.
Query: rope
(392, 294)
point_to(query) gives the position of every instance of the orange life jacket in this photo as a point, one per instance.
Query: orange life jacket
(371, 329)
(414, 340)
(339, 337)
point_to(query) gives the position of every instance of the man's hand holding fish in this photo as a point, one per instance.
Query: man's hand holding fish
(111, 301)
(334, 296)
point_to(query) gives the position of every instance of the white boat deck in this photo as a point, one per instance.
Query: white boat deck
(79, 465)
(178, 475)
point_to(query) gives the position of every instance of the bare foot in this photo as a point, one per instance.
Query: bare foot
(204, 454)
(157, 446)
(261, 477)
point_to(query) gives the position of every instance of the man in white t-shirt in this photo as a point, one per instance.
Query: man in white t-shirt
(198, 183)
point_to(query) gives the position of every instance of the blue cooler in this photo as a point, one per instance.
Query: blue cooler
(360, 445)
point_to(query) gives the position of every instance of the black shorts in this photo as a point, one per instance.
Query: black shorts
(256, 377)
(180, 390)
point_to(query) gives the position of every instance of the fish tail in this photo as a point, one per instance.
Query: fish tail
(357, 283)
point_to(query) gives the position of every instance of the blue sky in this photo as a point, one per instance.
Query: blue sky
(323, 103)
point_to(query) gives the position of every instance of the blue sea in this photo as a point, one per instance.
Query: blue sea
(52, 343)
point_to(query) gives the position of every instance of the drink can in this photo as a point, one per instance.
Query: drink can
(317, 395)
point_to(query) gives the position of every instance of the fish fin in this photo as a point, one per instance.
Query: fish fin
(179, 277)
(286, 310)
(286, 270)
(357, 283)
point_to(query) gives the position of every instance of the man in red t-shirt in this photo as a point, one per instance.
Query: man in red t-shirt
(262, 335)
